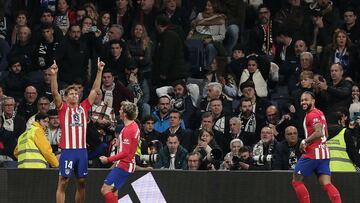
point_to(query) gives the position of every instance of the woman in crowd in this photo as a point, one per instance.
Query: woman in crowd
(140, 49)
(91, 12)
(103, 24)
(209, 149)
(64, 16)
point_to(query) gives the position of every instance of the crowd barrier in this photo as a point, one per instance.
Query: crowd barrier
(37, 186)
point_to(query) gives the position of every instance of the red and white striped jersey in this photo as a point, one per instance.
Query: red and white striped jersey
(317, 149)
(73, 122)
(127, 143)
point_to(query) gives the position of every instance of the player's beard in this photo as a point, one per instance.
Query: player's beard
(308, 107)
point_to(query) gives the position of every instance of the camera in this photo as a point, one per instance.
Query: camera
(150, 158)
(235, 163)
(214, 155)
(93, 29)
(261, 159)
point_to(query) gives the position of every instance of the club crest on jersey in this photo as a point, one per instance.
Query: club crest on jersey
(76, 118)
(315, 120)
(126, 141)
(79, 110)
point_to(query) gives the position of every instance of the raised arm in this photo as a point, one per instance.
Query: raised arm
(54, 85)
(97, 82)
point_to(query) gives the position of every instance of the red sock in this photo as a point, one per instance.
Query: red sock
(332, 193)
(301, 192)
(110, 198)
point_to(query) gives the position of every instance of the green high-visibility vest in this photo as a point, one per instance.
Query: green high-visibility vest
(339, 159)
(29, 155)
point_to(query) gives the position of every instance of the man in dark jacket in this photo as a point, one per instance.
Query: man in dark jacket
(287, 152)
(173, 155)
(169, 60)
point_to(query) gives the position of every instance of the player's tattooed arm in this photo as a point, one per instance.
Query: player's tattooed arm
(318, 133)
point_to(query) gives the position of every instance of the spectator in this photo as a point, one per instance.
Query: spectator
(11, 119)
(354, 108)
(176, 13)
(123, 14)
(33, 149)
(238, 61)
(27, 106)
(43, 106)
(7, 146)
(338, 92)
(72, 56)
(221, 119)
(341, 51)
(117, 59)
(47, 20)
(175, 127)
(306, 63)
(173, 155)
(248, 123)
(46, 49)
(344, 156)
(214, 91)
(21, 19)
(287, 152)
(351, 26)
(193, 161)
(139, 87)
(185, 100)
(114, 92)
(80, 14)
(103, 24)
(285, 46)
(140, 50)
(149, 134)
(211, 154)
(277, 122)
(228, 163)
(91, 12)
(64, 16)
(14, 82)
(162, 113)
(169, 63)
(209, 27)
(146, 15)
(53, 131)
(264, 149)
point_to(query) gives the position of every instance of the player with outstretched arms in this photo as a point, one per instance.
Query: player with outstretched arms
(124, 159)
(316, 156)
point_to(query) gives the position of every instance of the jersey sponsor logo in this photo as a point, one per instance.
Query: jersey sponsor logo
(126, 141)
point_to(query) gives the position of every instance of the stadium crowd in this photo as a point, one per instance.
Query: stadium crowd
(217, 82)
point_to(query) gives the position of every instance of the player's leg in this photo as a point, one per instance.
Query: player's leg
(112, 183)
(81, 171)
(61, 188)
(80, 190)
(302, 169)
(324, 177)
(65, 171)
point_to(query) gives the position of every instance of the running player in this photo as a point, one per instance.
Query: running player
(73, 122)
(127, 143)
(316, 156)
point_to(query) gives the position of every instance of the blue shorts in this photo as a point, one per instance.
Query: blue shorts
(117, 177)
(73, 162)
(306, 167)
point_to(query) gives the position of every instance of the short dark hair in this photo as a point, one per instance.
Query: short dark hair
(350, 9)
(119, 42)
(244, 99)
(41, 116)
(175, 111)
(148, 118)
(207, 115)
(245, 149)
(47, 10)
(52, 112)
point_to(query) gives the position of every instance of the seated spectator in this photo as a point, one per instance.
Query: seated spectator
(21, 19)
(14, 123)
(185, 98)
(355, 105)
(7, 145)
(291, 64)
(238, 62)
(351, 26)
(277, 122)
(341, 51)
(344, 156)
(336, 93)
(114, 92)
(64, 16)
(33, 149)
(218, 73)
(184, 135)
(235, 146)
(47, 19)
(214, 91)
(287, 152)
(209, 27)
(211, 154)
(53, 131)
(14, 82)
(28, 106)
(139, 86)
(285, 45)
(193, 161)
(248, 123)
(123, 14)
(264, 149)
(102, 116)
(43, 106)
(173, 155)
(161, 114)
(149, 134)
(177, 15)
(103, 24)
(256, 74)
(116, 59)
(221, 119)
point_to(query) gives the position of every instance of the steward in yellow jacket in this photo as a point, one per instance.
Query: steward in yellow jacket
(33, 149)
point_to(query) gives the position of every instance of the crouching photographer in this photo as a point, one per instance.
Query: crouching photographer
(149, 158)
(210, 151)
(263, 151)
